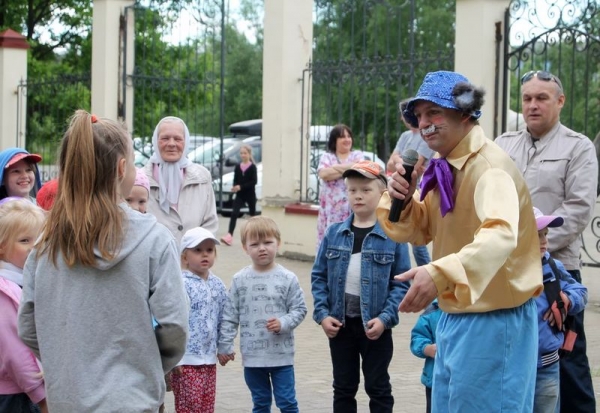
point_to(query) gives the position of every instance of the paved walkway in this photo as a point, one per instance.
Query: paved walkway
(313, 365)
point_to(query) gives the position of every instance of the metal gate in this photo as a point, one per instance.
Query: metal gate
(51, 102)
(178, 68)
(367, 56)
(562, 38)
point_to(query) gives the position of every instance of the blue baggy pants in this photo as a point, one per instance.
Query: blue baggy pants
(486, 362)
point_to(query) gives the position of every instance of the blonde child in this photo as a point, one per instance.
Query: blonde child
(355, 295)
(97, 275)
(267, 303)
(194, 379)
(244, 187)
(140, 191)
(21, 382)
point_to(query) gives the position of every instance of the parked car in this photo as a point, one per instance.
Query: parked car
(210, 152)
(313, 183)
(245, 132)
(143, 151)
(140, 158)
(246, 128)
(231, 156)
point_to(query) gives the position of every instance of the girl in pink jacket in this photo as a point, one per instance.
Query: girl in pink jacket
(21, 381)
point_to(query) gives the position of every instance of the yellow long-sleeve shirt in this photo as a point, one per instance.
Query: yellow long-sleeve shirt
(486, 253)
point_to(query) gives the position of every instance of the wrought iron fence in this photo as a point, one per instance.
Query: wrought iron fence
(179, 69)
(50, 103)
(562, 38)
(368, 55)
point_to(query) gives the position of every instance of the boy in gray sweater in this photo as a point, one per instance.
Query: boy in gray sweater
(267, 303)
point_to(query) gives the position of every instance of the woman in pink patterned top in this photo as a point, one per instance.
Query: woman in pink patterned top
(333, 199)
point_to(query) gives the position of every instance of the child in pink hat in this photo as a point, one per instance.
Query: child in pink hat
(562, 297)
(138, 197)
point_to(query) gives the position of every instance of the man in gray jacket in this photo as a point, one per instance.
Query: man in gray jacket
(561, 171)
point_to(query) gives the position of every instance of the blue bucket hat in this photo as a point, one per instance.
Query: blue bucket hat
(439, 88)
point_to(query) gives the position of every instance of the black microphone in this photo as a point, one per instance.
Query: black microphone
(409, 158)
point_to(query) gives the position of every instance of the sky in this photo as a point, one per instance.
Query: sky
(186, 25)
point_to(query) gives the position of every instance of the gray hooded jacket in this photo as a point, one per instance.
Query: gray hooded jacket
(92, 326)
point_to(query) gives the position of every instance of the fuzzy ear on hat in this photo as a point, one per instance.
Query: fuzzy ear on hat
(467, 97)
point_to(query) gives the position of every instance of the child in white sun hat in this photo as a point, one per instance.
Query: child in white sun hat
(194, 379)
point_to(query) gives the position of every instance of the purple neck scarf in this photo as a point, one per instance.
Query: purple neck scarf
(439, 174)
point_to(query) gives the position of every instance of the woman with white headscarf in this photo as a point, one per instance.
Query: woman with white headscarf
(181, 193)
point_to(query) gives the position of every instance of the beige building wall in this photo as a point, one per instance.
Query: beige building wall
(475, 51)
(13, 69)
(287, 51)
(106, 49)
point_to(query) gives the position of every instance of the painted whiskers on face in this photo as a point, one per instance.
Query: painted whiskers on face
(430, 130)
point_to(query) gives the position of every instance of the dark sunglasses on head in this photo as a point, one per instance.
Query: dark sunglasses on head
(542, 75)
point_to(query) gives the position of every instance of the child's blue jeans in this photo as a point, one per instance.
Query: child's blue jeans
(547, 389)
(277, 381)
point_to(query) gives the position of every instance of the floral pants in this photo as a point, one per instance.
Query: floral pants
(194, 388)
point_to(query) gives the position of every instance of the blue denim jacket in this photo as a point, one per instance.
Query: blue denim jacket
(382, 259)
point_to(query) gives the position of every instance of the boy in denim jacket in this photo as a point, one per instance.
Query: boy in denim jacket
(574, 296)
(355, 295)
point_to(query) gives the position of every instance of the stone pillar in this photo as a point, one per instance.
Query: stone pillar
(13, 69)
(129, 56)
(287, 51)
(475, 52)
(106, 49)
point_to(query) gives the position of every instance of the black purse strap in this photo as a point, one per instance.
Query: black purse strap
(552, 290)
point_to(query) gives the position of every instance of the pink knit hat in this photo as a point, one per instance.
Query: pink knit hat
(141, 179)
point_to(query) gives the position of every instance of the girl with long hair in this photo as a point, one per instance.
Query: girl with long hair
(97, 276)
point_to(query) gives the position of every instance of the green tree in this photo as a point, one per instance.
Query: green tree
(49, 25)
(58, 32)
(369, 55)
(183, 78)
(243, 77)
